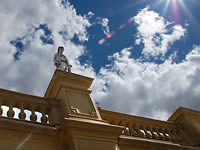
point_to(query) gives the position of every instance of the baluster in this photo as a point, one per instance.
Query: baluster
(10, 112)
(22, 114)
(157, 132)
(151, 131)
(167, 132)
(161, 134)
(163, 130)
(154, 133)
(127, 130)
(143, 129)
(171, 136)
(1, 110)
(148, 135)
(140, 133)
(133, 130)
(44, 118)
(33, 116)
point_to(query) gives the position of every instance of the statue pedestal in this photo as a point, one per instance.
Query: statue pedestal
(72, 90)
(82, 124)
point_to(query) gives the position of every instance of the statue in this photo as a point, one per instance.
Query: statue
(61, 61)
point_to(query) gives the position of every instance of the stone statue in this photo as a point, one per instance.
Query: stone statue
(60, 61)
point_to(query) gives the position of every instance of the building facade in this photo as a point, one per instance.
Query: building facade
(66, 118)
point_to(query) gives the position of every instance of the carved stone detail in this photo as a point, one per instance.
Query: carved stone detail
(74, 110)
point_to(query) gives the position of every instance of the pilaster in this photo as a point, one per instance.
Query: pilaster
(189, 123)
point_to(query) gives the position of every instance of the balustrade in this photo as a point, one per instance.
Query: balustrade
(143, 127)
(49, 115)
(24, 102)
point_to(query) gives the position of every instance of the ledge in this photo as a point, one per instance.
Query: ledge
(26, 126)
(183, 111)
(133, 142)
(92, 128)
(20, 97)
(61, 78)
(93, 125)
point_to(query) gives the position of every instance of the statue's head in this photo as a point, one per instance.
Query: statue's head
(60, 50)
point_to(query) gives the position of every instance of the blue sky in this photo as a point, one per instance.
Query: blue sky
(119, 12)
(143, 54)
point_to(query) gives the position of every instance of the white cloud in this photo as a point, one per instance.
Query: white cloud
(104, 23)
(22, 20)
(156, 33)
(90, 14)
(194, 56)
(125, 85)
(149, 89)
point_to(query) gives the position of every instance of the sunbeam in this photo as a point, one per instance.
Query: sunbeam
(176, 16)
(128, 6)
(159, 2)
(166, 7)
(189, 15)
(173, 7)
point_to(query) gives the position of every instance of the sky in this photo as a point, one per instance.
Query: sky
(144, 55)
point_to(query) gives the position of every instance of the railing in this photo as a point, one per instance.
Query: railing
(24, 107)
(43, 111)
(143, 127)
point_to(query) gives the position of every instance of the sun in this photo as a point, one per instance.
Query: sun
(173, 7)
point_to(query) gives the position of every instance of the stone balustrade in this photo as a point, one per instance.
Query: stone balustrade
(24, 107)
(43, 111)
(143, 127)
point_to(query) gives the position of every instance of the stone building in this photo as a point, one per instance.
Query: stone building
(66, 118)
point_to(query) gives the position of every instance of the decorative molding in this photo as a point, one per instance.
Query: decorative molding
(77, 112)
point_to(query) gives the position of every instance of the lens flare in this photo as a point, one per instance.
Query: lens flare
(101, 41)
(176, 12)
(148, 6)
(108, 36)
(166, 7)
(130, 20)
(189, 15)
(121, 26)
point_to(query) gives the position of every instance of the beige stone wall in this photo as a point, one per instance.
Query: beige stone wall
(18, 140)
